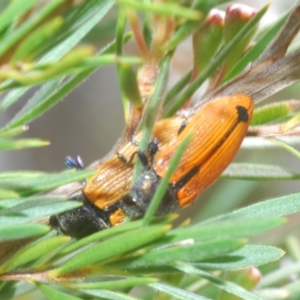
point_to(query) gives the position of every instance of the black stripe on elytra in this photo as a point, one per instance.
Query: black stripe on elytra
(242, 116)
(186, 178)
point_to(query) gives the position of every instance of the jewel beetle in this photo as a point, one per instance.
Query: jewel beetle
(218, 130)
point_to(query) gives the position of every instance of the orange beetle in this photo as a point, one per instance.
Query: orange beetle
(218, 130)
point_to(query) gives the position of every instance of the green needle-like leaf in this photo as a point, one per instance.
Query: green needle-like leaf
(54, 294)
(33, 252)
(129, 240)
(8, 144)
(16, 36)
(14, 10)
(114, 284)
(274, 111)
(222, 284)
(23, 231)
(107, 294)
(42, 182)
(248, 171)
(235, 228)
(163, 8)
(276, 207)
(176, 292)
(245, 257)
(193, 252)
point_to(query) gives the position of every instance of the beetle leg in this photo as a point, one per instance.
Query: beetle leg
(183, 125)
(144, 159)
(126, 160)
(133, 141)
(129, 160)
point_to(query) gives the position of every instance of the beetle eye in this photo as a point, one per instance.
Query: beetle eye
(128, 200)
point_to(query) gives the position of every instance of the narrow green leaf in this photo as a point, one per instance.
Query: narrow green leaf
(10, 40)
(16, 232)
(110, 232)
(293, 289)
(26, 51)
(33, 252)
(176, 292)
(74, 62)
(26, 203)
(22, 287)
(11, 97)
(43, 182)
(189, 253)
(246, 278)
(54, 294)
(128, 85)
(20, 175)
(227, 286)
(245, 257)
(8, 144)
(120, 29)
(7, 194)
(178, 87)
(14, 10)
(276, 207)
(34, 213)
(272, 112)
(249, 171)
(78, 22)
(46, 97)
(168, 9)
(236, 228)
(113, 284)
(110, 295)
(291, 123)
(13, 132)
(127, 241)
(263, 144)
(101, 235)
(33, 107)
(286, 146)
(8, 203)
(275, 294)
(279, 275)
